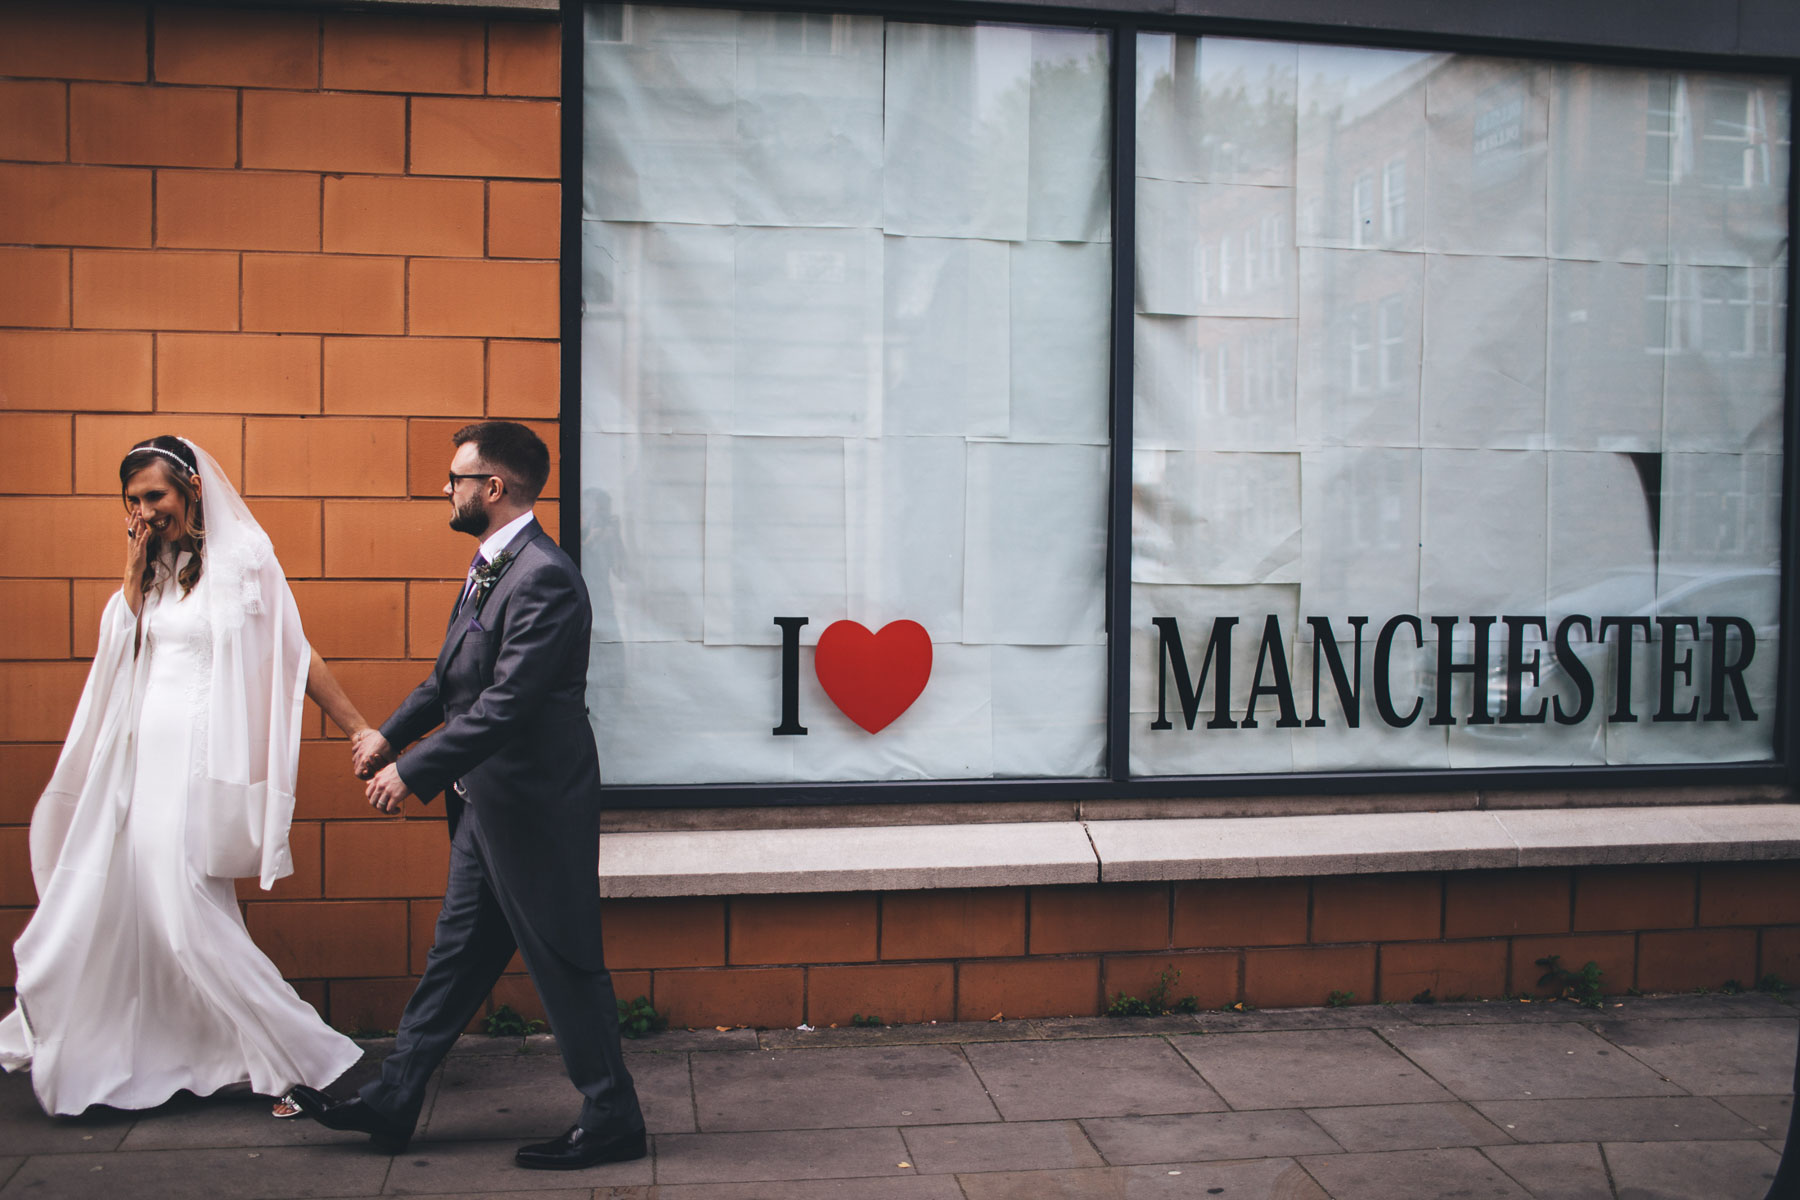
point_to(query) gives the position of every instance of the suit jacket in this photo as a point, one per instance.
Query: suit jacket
(509, 689)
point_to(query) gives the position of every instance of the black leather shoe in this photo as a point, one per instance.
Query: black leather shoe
(582, 1148)
(352, 1115)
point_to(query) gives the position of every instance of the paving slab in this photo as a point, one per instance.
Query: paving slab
(529, 1096)
(1497, 1012)
(1517, 1062)
(1307, 1069)
(1375, 1127)
(1267, 1179)
(1713, 1057)
(7, 1167)
(1098, 1027)
(1632, 1119)
(1570, 1171)
(217, 1174)
(683, 1041)
(837, 1089)
(1765, 1112)
(1269, 1020)
(1712, 1006)
(1413, 1175)
(239, 1121)
(487, 1168)
(1691, 1170)
(780, 1155)
(1098, 1077)
(586, 1193)
(1000, 1146)
(936, 1187)
(900, 1035)
(1204, 1137)
(25, 1129)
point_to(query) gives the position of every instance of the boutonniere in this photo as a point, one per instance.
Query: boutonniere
(488, 574)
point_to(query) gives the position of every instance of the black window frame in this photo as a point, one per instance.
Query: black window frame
(1116, 783)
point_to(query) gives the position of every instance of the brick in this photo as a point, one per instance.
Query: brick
(12, 924)
(236, 48)
(88, 599)
(16, 887)
(101, 441)
(312, 991)
(1211, 979)
(324, 294)
(483, 298)
(1377, 908)
(1501, 903)
(138, 125)
(1027, 987)
(369, 1005)
(37, 699)
(429, 449)
(404, 376)
(67, 41)
(366, 859)
(336, 456)
(237, 372)
(1750, 894)
(1305, 976)
(953, 923)
(304, 844)
(1685, 959)
(1647, 897)
(392, 539)
(490, 138)
(41, 450)
(524, 379)
(684, 931)
(24, 774)
(294, 527)
(761, 997)
(1449, 970)
(1066, 920)
(377, 688)
(64, 537)
(37, 619)
(327, 939)
(1240, 912)
(517, 993)
(37, 286)
(156, 289)
(803, 929)
(74, 206)
(34, 119)
(524, 58)
(427, 610)
(63, 370)
(1614, 954)
(353, 620)
(1779, 954)
(383, 214)
(897, 993)
(324, 131)
(524, 220)
(402, 54)
(237, 210)
(326, 789)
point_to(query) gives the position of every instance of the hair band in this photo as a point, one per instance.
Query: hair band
(168, 454)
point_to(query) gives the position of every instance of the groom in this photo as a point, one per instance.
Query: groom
(515, 762)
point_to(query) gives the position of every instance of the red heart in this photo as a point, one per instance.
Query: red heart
(873, 677)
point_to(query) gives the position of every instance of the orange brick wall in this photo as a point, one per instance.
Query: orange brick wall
(316, 242)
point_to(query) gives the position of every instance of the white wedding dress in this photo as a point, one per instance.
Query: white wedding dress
(137, 976)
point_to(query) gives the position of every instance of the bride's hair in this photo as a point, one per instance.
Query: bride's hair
(182, 468)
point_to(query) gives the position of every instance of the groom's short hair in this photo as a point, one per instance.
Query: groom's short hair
(518, 455)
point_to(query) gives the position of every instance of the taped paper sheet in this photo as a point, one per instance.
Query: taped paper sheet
(1034, 548)
(643, 503)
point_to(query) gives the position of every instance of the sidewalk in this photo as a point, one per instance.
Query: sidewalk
(1679, 1096)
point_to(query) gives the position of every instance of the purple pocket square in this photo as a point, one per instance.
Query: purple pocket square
(475, 625)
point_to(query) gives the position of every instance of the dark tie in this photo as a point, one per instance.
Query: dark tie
(475, 564)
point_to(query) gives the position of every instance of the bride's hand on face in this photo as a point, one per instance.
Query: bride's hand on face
(137, 543)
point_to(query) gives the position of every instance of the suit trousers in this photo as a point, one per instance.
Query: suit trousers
(475, 939)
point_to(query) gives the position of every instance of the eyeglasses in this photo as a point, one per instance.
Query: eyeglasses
(454, 477)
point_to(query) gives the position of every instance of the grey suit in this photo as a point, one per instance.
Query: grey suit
(516, 764)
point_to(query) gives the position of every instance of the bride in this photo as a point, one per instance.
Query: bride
(136, 975)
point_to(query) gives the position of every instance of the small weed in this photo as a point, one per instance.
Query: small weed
(1774, 984)
(505, 1022)
(871, 1021)
(1156, 1001)
(1340, 999)
(1732, 987)
(1425, 997)
(638, 1017)
(1583, 986)
(366, 1032)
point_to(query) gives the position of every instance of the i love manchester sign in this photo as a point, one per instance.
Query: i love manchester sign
(875, 677)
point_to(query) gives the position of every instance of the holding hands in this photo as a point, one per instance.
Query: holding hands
(372, 758)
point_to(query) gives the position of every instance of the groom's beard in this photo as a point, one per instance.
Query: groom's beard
(471, 518)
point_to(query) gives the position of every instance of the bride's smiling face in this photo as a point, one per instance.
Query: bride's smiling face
(152, 495)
